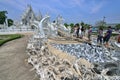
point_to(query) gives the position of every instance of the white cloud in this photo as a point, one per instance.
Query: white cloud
(19, 4)
(67, 8)
(68, 3)
(96, 8)
(79, 3)
(46, 8)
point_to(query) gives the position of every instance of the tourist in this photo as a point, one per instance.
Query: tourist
(89, 33)
(82, 32)
(118, 39)
(77, 32)
(107, 36)
(100, 35)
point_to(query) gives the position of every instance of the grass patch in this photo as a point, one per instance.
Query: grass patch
(6, 38)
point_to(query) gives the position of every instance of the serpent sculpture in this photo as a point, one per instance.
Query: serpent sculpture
(87, 65)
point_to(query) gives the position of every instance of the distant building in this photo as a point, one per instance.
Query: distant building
(29, 16)
(108, 24)
(112, 25)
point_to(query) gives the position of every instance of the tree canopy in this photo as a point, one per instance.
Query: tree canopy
(66, 25)
(86, 26)
(72, 24)
(101, 24)
(82, 24)
(10, 22)
(3, 16)
(117, 26)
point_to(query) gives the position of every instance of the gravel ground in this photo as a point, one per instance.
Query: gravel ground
(13, 64)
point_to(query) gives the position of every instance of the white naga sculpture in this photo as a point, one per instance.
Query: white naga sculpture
(61, 28)
(60, 24)
(53, 29)
(39, 29)
(45, 28)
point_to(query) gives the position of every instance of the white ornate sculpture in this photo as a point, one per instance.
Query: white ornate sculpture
(53, 29)
(60, 24)
(42, 26)
(45, 28)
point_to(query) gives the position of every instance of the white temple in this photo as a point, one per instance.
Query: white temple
(38, 23)
(29, 16)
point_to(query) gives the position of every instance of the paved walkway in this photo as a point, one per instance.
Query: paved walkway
(12, 61)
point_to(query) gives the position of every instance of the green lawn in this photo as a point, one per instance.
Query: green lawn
(6, 38)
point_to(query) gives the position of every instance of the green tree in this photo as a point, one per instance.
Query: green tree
(102, 27)
(3, 16)
(10, 22)
(72, 25)
(86, 26)
(117, 26)
(66, 25)
(82, 24)
(101, 24)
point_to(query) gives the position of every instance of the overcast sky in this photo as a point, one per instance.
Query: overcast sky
(88, 11)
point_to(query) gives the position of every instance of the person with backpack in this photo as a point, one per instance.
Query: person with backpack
(107, 36)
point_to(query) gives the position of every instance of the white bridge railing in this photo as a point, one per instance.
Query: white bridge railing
(15, 30)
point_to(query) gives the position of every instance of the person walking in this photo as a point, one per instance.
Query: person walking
(82, 31)
(89, 33)
(107, 36)
(77, 32)
(100, 36)
(118, 38)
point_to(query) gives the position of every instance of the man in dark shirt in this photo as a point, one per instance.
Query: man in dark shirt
(77, 32)
(107, 36)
